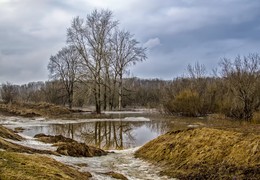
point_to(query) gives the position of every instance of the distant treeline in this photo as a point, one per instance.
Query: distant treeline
(233, 91)
(136, 93)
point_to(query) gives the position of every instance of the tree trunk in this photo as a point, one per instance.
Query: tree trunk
(105, 98)
(96, 128)
(248, 110)
(120, 92)
(115, 136)
(70, 99)
(121, 135)
(98, 111)
(99, 100)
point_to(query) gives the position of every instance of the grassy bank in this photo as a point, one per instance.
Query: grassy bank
(33, 109)
(16, 165)
(6, 133)
(23, 166)
(9, 134)
(47, 110)
(205, 154)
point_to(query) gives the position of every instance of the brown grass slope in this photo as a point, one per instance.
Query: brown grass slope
(205, 154)
(16, 166)
(33, 109)
(9, 134)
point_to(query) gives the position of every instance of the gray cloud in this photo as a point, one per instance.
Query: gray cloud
(151, 43)
(177, 33)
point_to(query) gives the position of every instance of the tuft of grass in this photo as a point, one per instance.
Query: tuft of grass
(205, 153)
(24, 166)
(9, 134)
(116, 175)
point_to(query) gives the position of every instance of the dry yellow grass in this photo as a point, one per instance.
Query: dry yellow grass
(15, 166)
(33, 109)
(9, 134)
(205, 154)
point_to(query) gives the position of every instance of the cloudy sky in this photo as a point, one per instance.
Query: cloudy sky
(176, 33)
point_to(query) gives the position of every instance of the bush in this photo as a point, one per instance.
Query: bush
(186, 102)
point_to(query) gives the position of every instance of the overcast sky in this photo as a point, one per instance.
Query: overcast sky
(176, 33)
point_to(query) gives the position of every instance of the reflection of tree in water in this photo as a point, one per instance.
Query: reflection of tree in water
(109, 134)
(103, 134)
(159, 126)
(118, 135)
(67, 130)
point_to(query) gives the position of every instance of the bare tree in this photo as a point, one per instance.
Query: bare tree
(126, 52)
(90, 37)
(64, 66)
(242, 78)
(106, 53)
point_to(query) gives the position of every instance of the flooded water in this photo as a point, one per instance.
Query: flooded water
(124, 131)
(111, 134)
(122, 135)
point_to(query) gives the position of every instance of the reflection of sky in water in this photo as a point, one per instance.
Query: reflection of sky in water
(33, 130)
(144, 134)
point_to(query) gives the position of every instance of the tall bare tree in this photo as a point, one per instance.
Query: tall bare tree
(90, 37)
(127, 52)
(64, 66)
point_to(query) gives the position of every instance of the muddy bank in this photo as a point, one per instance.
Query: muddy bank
(116, 175)
(12, 147)
(6, 133)
(205, 154)
(9, 134)
(33, 109)
(66, 146)
(70, 147)
(16, 165)
(47, 110)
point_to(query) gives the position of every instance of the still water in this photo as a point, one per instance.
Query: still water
(122, 131)
(125, 133)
